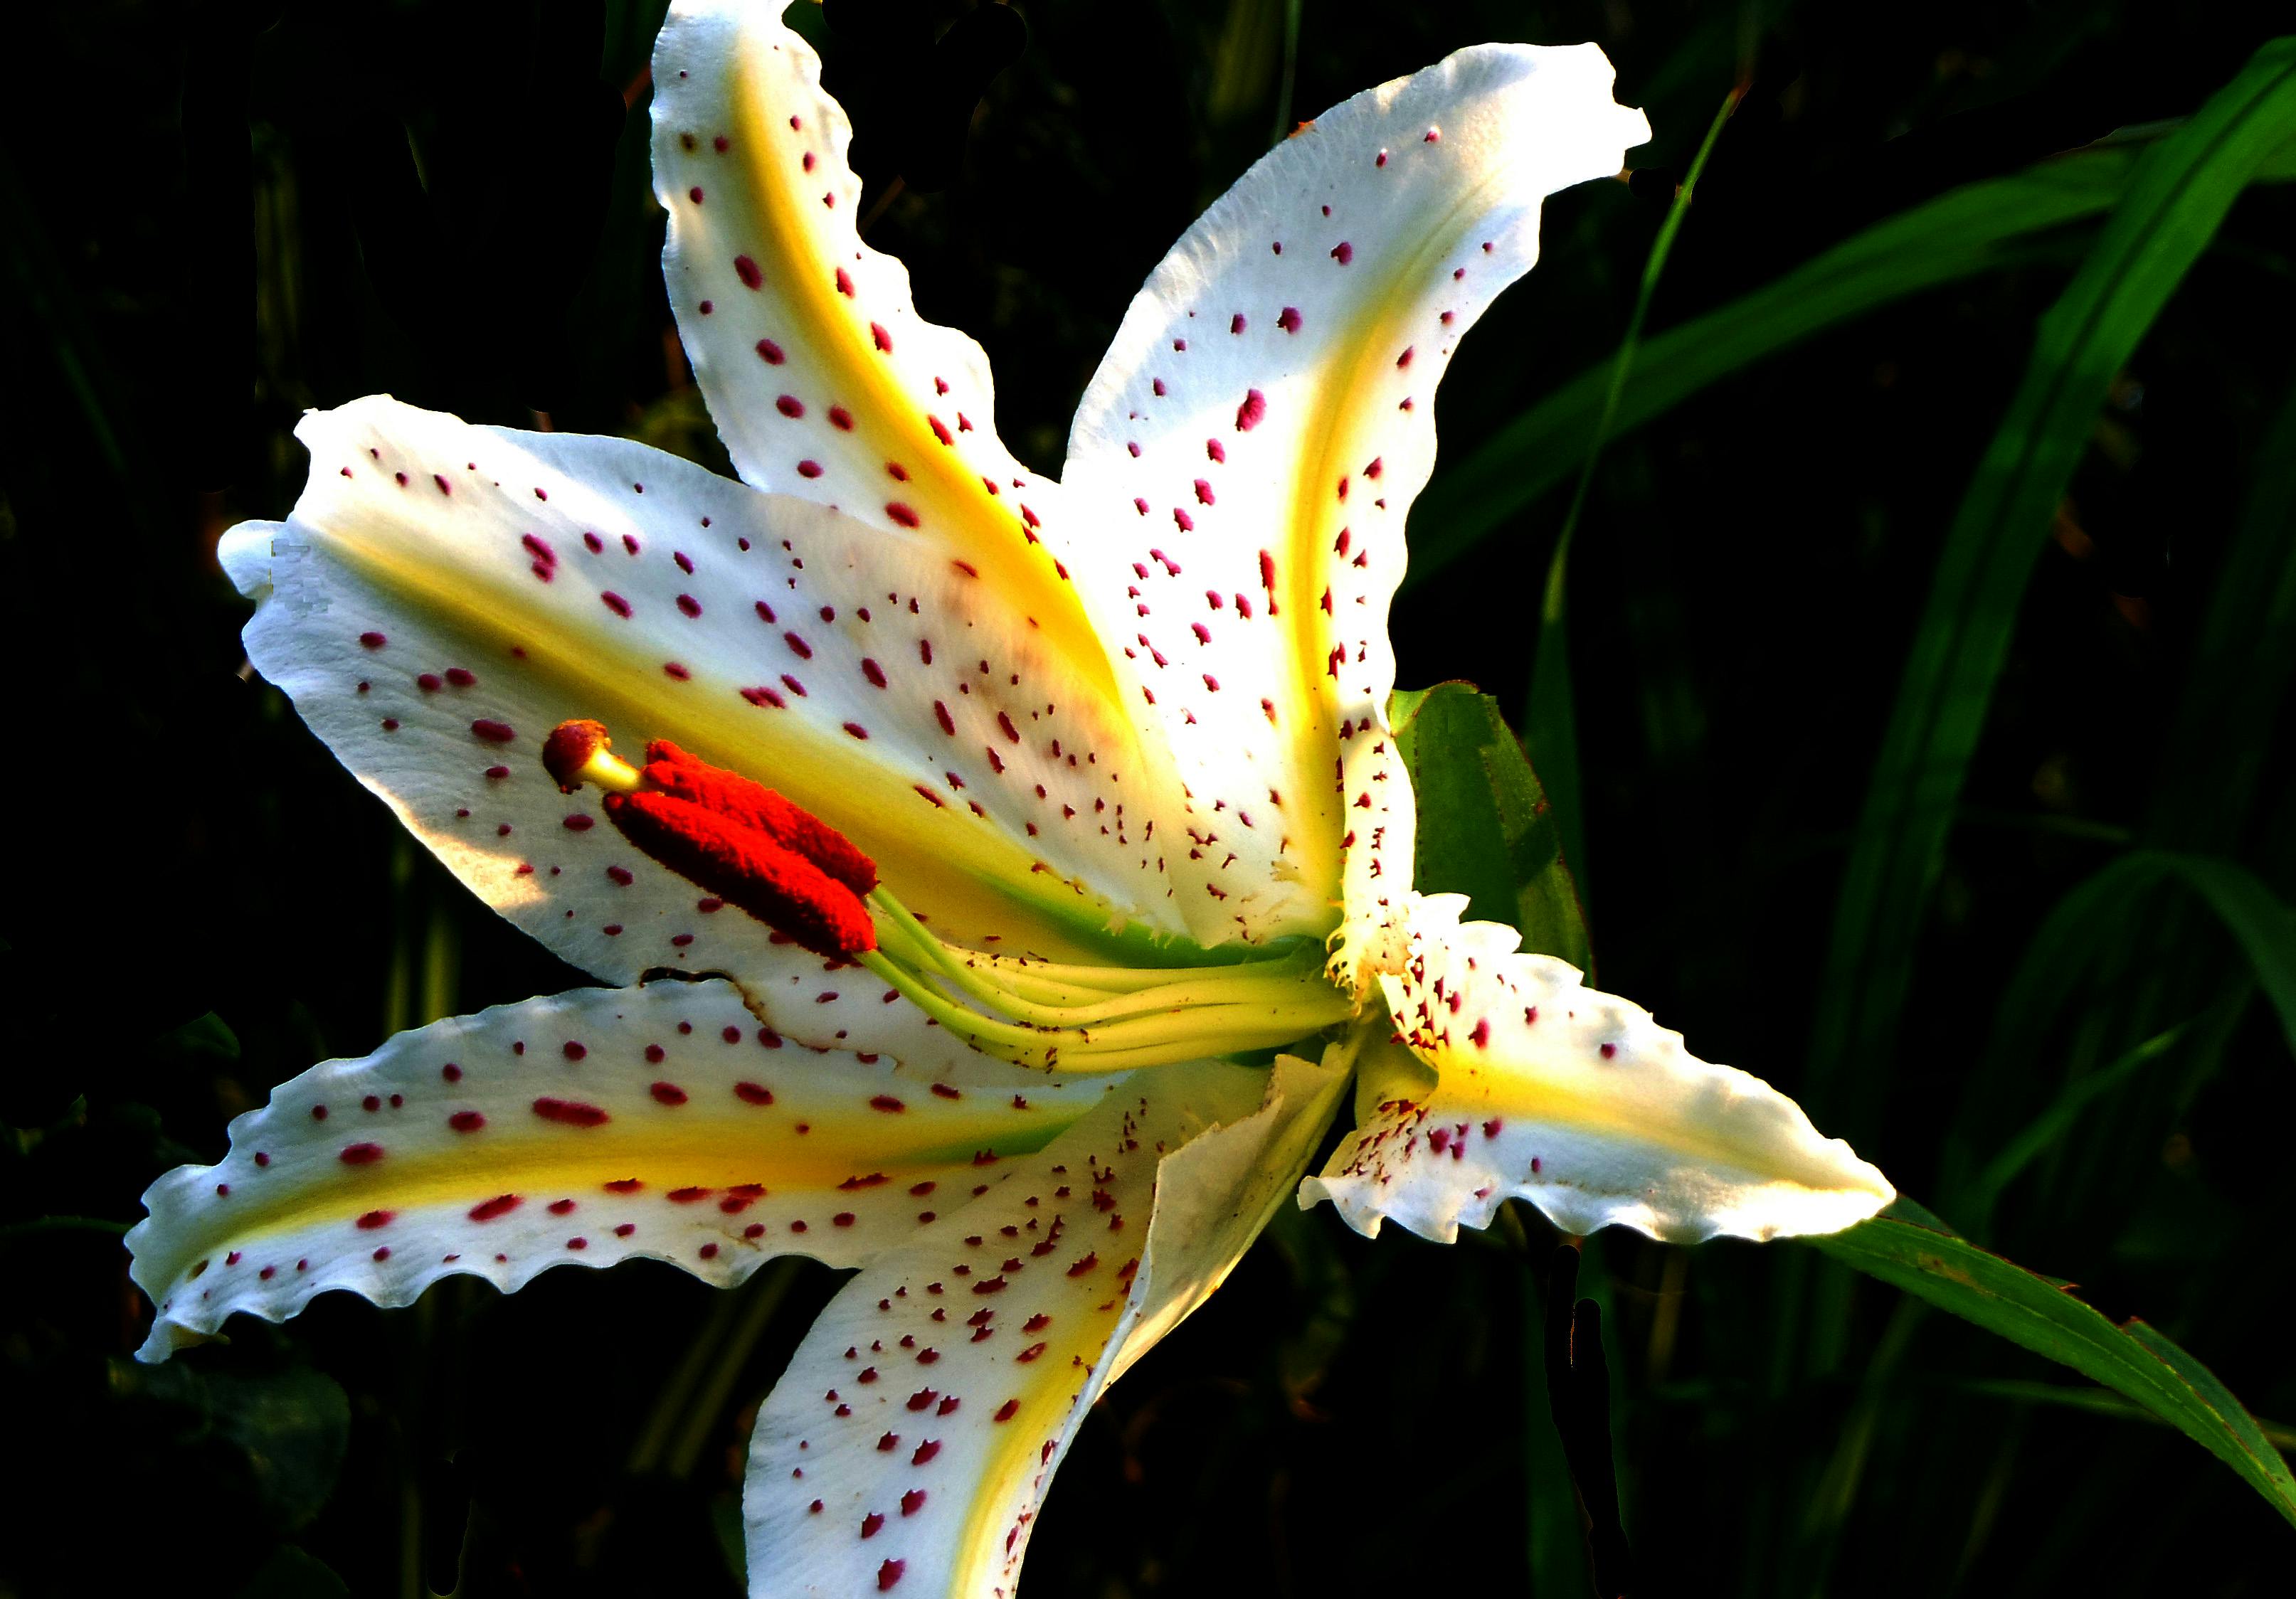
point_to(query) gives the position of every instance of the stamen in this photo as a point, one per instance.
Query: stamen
(579, 751)
(734, 837)
(673, 771)
(754, 848)
(745, 867)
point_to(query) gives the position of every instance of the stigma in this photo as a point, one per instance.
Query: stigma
(728, 834)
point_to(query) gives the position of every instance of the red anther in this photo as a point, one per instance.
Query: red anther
(569, 747)
(724, 851)
(750, 804)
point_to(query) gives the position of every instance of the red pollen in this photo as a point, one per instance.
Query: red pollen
(751, 806)
(720, 850)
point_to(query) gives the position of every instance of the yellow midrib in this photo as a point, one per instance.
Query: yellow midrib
(856, 794)
(577, 1165)
(1548, 1097)
(1322, 464)
(987, 531)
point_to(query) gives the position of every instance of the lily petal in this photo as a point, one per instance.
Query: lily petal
(823, 379)
(444, 595)
(913, 1438)
(1258, 429)
(1548, 1091)
(598, 1126)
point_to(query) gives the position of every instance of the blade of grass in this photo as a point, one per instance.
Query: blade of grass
(2064, 1396)
(2180, 194)
(1913, 1251)
(1977, 229)
(2244, 657)
(2092, 922)
(2053, 1123)
(1550, 730)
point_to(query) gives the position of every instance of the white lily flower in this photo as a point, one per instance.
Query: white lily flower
(1113, 759)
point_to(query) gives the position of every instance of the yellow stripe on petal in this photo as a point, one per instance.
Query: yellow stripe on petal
(909, 1445)
(1543, 1089)
(660, 1122)
(444, 596)
(823, 381)
(1256, 435)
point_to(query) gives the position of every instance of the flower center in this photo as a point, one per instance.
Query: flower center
(790, 870)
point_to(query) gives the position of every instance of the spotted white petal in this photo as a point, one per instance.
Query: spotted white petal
(444, 595)
(1247, 452)
(601, 1125)
(1527, 1085)
(909, 1445)
(823, 381)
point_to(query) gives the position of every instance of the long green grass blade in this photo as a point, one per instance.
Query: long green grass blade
(1550, 725)
(1924, 1258)
(2065, 1395)
(2178, 198)
(2245, 656)
(1977, 229)
(2055, 1122)
(2095, 917)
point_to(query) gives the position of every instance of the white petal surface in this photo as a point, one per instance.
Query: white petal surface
(823, 379)
(587, 1128)
(1575, 1100)
(445, 594)
(1248, 448)
(911, 1439)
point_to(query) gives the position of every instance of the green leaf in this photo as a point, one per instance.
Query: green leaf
(276, 1439)
(1980, 227)
(2244, 655)
(2067, 1396)
(2074, 946)
(291, 1574)
(2180, 192)
(1927, 1260)
(1549, 723)
(1485, 828)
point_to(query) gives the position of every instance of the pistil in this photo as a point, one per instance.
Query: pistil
(747, 844)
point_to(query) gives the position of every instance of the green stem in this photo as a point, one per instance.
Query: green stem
(1550, 722)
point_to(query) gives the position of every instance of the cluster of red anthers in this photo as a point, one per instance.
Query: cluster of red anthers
(737, 839)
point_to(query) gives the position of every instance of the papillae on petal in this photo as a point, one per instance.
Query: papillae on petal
(910, 1443)
(1516, 1081)
(599, 1126)
(1248, 448)
(444, 596)
(823, 381)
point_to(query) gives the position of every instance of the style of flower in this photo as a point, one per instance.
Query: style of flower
(1082, 884)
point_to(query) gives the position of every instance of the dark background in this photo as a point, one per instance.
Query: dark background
(213, 215)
